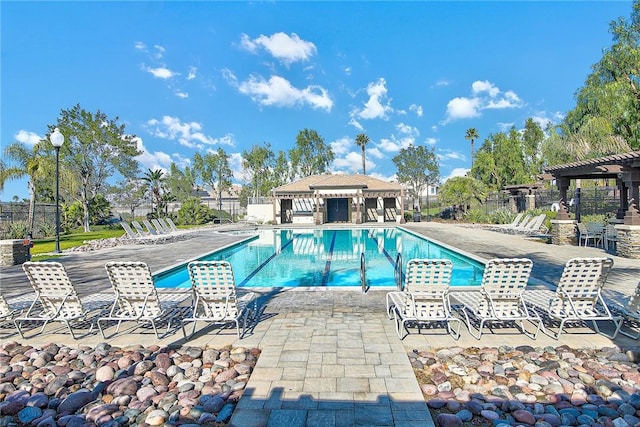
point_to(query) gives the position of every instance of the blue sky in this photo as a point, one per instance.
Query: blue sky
(188, 77)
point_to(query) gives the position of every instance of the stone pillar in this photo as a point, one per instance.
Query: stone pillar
(13, 252)
(628, 233)
(563, 232)
(513, 206)
(530, 202)
(628, 244)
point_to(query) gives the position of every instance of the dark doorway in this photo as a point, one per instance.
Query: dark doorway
(337, 210)
(286, 211)
(371, 210)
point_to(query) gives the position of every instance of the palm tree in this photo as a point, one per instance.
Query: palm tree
(472, 134)
(153, 180)
(361, 141)
(28, 163)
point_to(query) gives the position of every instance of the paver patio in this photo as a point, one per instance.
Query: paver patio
(331, 356)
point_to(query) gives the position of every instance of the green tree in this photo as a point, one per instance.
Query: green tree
(154, 181)
(129, 194)
(361, 141)
(418, 167)
(462, 191)
(472, 135)
(180, 183)
(214, 171)
(281, 170)
(311, 155)
(27, 162)
(259, 162)
(607, 111)
(95, 148)
(532, 138)
(500, 161)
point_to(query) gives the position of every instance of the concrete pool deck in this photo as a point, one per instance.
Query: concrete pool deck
(330, 356)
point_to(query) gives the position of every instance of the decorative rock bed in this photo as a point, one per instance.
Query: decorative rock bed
(545, 387)
(111, 387)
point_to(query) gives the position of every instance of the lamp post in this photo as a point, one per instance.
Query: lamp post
(57, 139)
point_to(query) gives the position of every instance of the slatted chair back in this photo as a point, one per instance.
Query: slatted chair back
(427, 286)
(136, 294)
(580, 285)
(159, 226)
(127, 228)
(172, 224)
(150, 227)
(5, 310)
(141, 231)
(503, 283)
(54, 290)
(516, 220)
(214, 289)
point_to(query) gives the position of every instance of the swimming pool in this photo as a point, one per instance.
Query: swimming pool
(326, 257)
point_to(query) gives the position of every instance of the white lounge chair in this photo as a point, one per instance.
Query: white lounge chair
(499, 299)
(160, 226)
(151, 227)
(172, 225)
(630, 312)
(139, 228)
(130, 233)
(578, 298)
(502, 227)
(215, 297)
(137, 298)
(9, 309)
(56, 299)
(535, 227)
(425, 298)
(139, 237)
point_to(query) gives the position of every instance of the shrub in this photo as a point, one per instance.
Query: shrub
(16, 230)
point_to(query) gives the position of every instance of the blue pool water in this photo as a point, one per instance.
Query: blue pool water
(326, 257)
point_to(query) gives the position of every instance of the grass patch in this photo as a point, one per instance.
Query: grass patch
(72, 240)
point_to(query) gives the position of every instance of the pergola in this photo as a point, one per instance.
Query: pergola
(338, 198)
(624, 168)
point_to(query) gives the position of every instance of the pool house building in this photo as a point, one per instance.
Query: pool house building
(338, 198)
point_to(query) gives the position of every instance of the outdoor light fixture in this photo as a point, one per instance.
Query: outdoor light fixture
(57, 139)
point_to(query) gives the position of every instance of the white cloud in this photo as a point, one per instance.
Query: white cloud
(341, 146)
(486, 96)
(347, 71)
(450, 155)
(356, 124)
(478, 87)
(161, 72)
(152, 160)
(189, 134)
(377, 106)
(442, 83)
(462, 108)
(374, 152)
(406, 129)
(140, 46)
(279, 92)
(192, 73)
(181, 94)
(352, 162)
(456, 172)
(430, 141)
(393, 145)
(417, 109)
(27, 138)
(286, 48)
